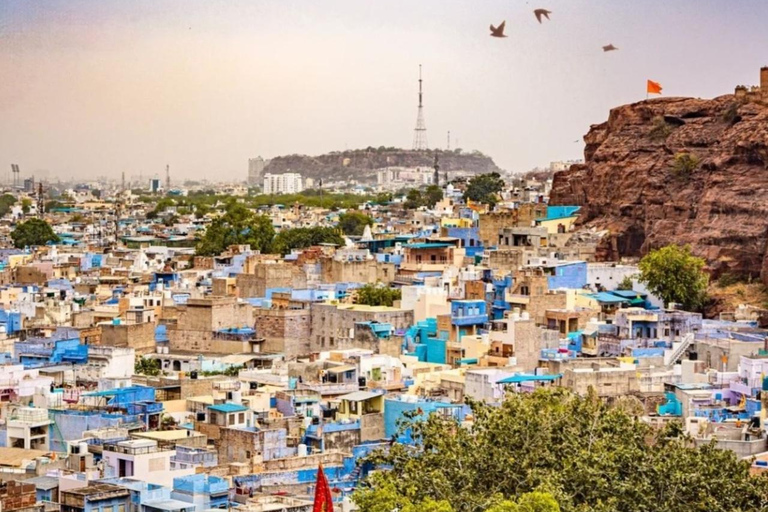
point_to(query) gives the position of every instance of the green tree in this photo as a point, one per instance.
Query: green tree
(675, 275)
(201, 210)
(144, 366)
(432, 195)
(377, 295)
(33, 232)
(413, 199)
(483, 188)
(299, 238)
(625, 284)
(238, 226)
(6, 201)
(353, 223)
(578, 452)
(26, 205)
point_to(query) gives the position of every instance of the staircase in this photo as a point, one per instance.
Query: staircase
(678, 349)
(355, 474)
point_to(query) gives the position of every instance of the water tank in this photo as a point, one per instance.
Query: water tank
(83, 448)
(302, 450)
(193, 374)
(237, 396)
(115, 321)
(525, 316)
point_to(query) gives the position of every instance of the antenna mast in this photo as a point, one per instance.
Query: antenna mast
(420, 133)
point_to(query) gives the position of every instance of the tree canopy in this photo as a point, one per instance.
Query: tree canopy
(584, 454)
(237, 226)
(675, 275)
(353, 223)
(6, 201)
(484, 187)
(428, 197)
(33, 232)
(299, 238)
(377, 295)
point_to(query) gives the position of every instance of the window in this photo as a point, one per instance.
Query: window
(107, 509)
(353, 407)
(241, 418)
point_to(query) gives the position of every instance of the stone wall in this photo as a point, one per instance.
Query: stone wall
(372, 427)
(140, 337)
(285, 331)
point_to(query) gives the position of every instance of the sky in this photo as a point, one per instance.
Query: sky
(93, 88)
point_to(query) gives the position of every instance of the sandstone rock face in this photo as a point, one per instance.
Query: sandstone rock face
(629, 184)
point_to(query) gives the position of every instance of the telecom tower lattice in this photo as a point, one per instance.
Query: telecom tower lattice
(420, 133)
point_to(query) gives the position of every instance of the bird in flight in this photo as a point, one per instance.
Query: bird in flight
(498, 31)
(542, 13)
(609, 48)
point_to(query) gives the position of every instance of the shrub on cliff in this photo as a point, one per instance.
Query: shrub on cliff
(673, 274)
(684, 164)
(660, 129)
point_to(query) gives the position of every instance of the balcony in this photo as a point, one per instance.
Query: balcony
(517, 298)
(470, 319)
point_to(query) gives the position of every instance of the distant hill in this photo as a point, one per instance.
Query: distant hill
(361, 164)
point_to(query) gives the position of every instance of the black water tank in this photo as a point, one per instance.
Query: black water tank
(193, 374)
(361, 382)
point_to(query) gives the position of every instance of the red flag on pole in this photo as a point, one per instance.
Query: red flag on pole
(323, 498)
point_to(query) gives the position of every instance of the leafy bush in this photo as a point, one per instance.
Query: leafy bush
(660, 129)
(684, 164)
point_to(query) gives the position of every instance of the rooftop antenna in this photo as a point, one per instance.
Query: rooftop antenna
(122, 183)
(420, 133)
(167, 177)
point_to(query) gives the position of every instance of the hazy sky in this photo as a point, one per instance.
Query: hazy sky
(96, 87)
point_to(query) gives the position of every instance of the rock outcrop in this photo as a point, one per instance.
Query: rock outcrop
(361, 164)
(678, 170)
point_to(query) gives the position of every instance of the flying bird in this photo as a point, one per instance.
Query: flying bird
(542, 13)
(498, 31)
(609, 48)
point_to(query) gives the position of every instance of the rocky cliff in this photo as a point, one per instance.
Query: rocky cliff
(678, 170)
(361, 164)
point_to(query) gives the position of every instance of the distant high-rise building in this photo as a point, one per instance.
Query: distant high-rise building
(255, 171)
(154, 185)
(288, 183)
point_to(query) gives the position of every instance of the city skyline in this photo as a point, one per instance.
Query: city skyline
(97, 90)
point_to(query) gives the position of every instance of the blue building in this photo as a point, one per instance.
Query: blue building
(469, 239)
(63, 347)
(395, 408)
(569, 274)
(204, 491)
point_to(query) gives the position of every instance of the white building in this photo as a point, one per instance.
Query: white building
(141, 459)
(28, 428)
(288, 183)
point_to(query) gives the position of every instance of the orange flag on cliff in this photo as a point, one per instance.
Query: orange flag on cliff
(323, 498)
(654, 87)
